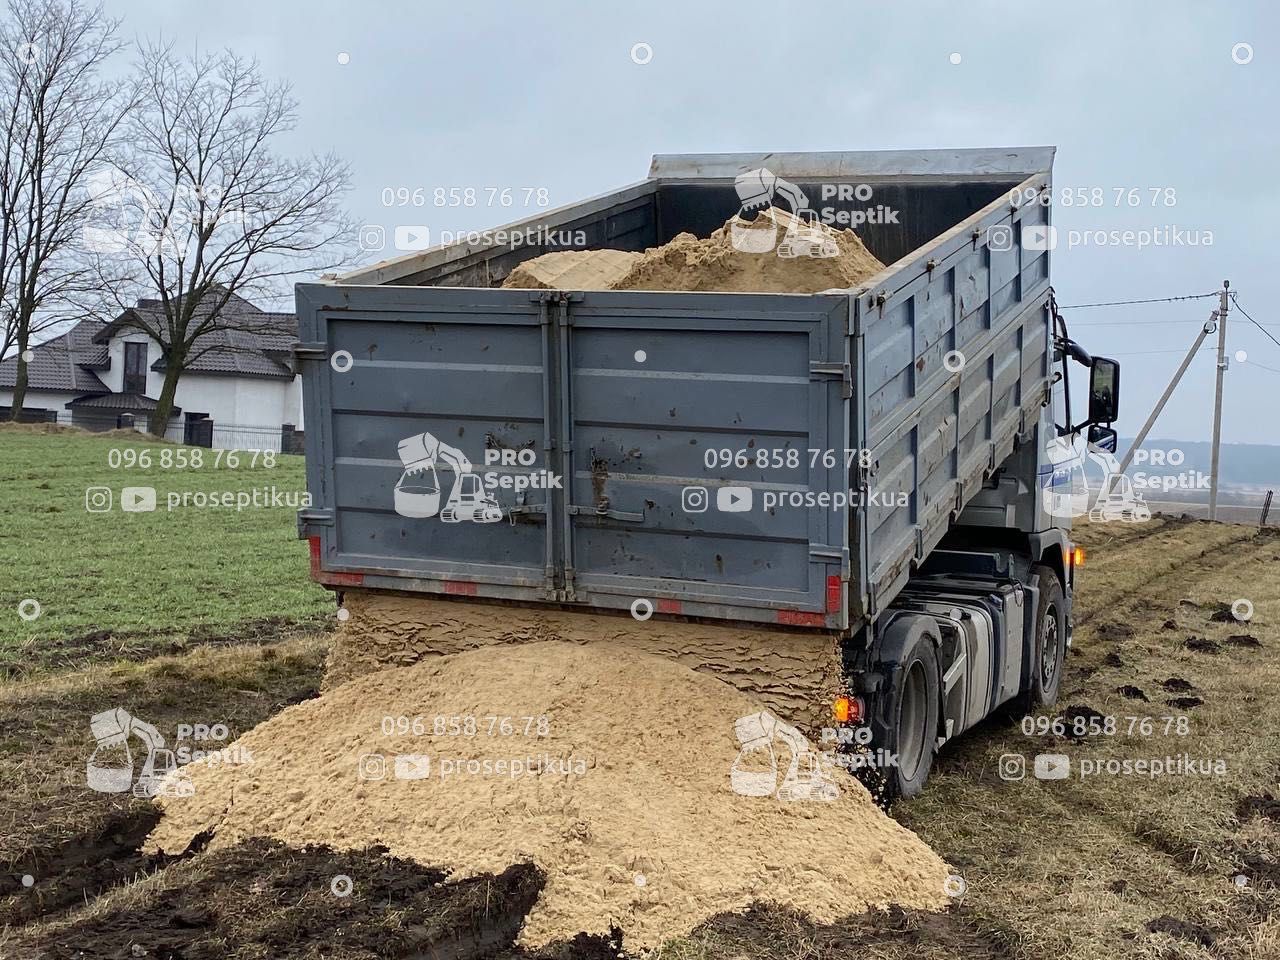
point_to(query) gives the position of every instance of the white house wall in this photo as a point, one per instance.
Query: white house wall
(247, 412)
(42, 400)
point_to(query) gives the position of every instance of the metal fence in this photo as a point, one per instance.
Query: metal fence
(202, 433)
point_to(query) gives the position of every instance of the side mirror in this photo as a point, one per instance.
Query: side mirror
(1104, 390)
(1104, 438)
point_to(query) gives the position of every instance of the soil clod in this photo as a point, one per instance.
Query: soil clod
(1202, 645)
(1183, 930)
(1243, 640)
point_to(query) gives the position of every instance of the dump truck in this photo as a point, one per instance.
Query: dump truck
(857, 475)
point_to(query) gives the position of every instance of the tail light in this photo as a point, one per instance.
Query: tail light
(848, 710)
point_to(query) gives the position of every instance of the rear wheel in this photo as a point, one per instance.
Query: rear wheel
(914, 718)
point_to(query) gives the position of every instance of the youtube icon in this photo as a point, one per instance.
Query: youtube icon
(733, 499)
(413, 238)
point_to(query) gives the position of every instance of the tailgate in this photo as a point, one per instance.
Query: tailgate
(596, 428)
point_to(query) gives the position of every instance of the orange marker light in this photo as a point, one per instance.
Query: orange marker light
(1077, 557)
(847, 709)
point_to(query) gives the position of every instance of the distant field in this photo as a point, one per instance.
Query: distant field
(114, 583)
(1227, 512)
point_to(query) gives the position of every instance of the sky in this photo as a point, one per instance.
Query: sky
(1143, 100)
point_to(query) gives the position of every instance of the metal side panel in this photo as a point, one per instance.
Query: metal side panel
(467, 367)
(952, 359)
(657, 384)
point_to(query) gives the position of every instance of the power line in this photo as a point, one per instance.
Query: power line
(1117, 303)
(1143, 353)
(1141, 323)
(1266, 332)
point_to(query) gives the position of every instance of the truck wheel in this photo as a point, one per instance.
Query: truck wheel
(1050, 647)
(915, 726)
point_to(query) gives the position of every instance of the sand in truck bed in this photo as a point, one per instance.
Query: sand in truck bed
(714, 263)
(623, 793)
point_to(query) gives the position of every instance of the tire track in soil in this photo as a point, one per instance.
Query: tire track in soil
(1141, 591)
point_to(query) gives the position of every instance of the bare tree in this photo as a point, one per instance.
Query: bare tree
(60, 119)
(220, 215)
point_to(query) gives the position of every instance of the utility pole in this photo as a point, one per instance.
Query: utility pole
(1209, 327)
(1217, 398)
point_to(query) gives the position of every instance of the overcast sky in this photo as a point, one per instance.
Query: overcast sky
(547, 95)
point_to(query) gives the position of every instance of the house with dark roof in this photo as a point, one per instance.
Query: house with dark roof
(241, 391)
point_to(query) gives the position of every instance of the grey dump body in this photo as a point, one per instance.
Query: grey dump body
(938, 366)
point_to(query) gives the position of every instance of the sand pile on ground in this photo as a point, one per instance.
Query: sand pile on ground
(795, 675)
(724, 261)
(631, 816)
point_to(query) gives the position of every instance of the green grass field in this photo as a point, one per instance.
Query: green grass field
(115, 583)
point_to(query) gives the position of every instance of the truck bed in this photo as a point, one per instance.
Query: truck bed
(622, 395)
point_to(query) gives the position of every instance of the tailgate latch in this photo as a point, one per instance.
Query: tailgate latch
(834, 371)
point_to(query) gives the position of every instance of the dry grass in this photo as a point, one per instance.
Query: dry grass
(1081, 868)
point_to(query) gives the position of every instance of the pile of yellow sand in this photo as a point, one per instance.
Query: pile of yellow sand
(573, 270)
(792, 258)
(623, 799)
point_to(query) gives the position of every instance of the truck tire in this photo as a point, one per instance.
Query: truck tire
(1049, 646)
(909, 716)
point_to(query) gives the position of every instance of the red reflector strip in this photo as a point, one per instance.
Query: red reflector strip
(330, 578)
(461, 588)
(342, 579)
(833, 594)
(798, 618)
(670, 606)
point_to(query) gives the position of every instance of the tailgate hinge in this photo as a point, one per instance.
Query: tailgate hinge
(312, 517)
(310, 350)
(820, 551)
(834, 371)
